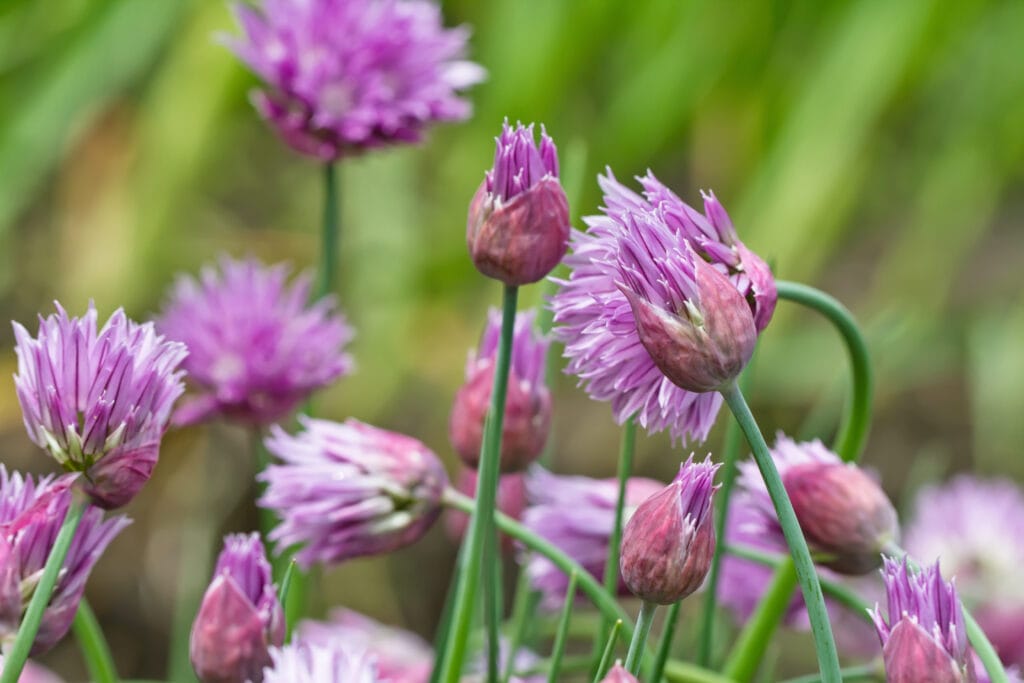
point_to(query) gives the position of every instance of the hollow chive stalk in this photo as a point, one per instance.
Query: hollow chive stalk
(329, 236)
(639, 640)
(93, 644)
(562, 634)
(608, 652)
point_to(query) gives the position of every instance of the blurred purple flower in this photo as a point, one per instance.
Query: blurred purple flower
(576, 514)
(348, 490)
(31, 514)
(257, 348)
(98, 400)
(511, 501)
(303, 662)
(976, 527)
(619, 674)
(240, 616)
(527, 405)
(596, 322)
(34, 673)
(345, 76)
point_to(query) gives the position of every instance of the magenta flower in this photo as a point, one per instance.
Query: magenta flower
(344, 76)
(257, 348)
(527, 405)
(577, 515)
(240, 616)
(98, 400)
(349, 490)
(302, 662)
(658, 249)
(31, 514)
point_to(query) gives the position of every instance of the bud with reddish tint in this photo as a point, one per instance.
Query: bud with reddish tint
(518, 225)
(511, 502)
(668, 542)
(240, 616)
(527, 404)
(618, 674)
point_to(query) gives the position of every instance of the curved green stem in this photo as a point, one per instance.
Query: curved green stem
(15, 658)
(480, 537)
(94, 646)
(853, 429)
(329, 236)
(807, 577)
(668, 633)
(684, 672)
(609, 652)
(639, 640)
(867, 672)
(757, 632)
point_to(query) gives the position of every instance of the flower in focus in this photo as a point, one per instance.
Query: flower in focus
(31, 514)
(527, 404)
(98, 400)
(400, 656)
(669, 540)
(577, 515)
(599, 326)
(511, 501)
(344, 76)
(977, 527)
(518, 225)
(302, 662)
(924, 639)
(240, 616)
(348, 489)
(257, 348)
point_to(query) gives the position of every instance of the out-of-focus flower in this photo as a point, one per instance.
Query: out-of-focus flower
(524, 660)
(348, 489)
(598, 325)
(31, 514)
(240, 616)
(257, 348)
(518, 225)
(618, 674)
(976, 527)
(302, 662)
(577, 515)
(527, 404)
(923, 638)
(344, 76)
(668, 542)
(35, 673)
(98, 400)
(511, 501)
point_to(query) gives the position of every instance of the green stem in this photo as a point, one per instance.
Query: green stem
(444, 624)
(668, 634)
(609, 651)
(94, 646)
(329, 237)
(480, 553)
(15, 658)
(684, 672)
(807, 577)
(639, 640)
(562, 634)
(493, 607)
(853, 429)
(757, 632)
(867, 672)
(286, 584)
(525, 603)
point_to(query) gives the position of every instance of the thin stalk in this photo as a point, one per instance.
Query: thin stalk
(480, 553)
(609, 651)
(94, 646)
(526, 600)
(668, 634)
(684, 672)
(14, 659)
(866, 672)
(639, 640)
(286, 584)
(562, 634)
(493, 607)
(756, 635)
(329, 237)
(807, 577)
(853, 430)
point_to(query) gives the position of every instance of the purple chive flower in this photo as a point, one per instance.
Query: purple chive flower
(98, 400)
(344, 76)
(595, 319)
(518, 225)
(977, 527)
(240, 616)
(349, 490)
(923, 639)
(668, 542)
(577, 515)
(527, 405)
(302, 662)
(35, 673)
(401, 656)
(257, 348)
(31, 514)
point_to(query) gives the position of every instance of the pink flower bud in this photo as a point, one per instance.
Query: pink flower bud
(912, 656)
(618, 674)
(668, 542)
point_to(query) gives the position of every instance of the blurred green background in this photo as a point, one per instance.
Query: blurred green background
(873, 148)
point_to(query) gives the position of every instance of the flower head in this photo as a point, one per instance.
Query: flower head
(619, 674)
(344, 76)
(518, 225)
(646, 297)
(303, 662)
(31, 515)
(511, 501)
(348, 490)
(668, 542)
(257, 348)
(98, 400)
(240, 616)
(527, 404)
(577, 515)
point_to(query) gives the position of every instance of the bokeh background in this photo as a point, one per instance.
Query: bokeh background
(872, 148)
